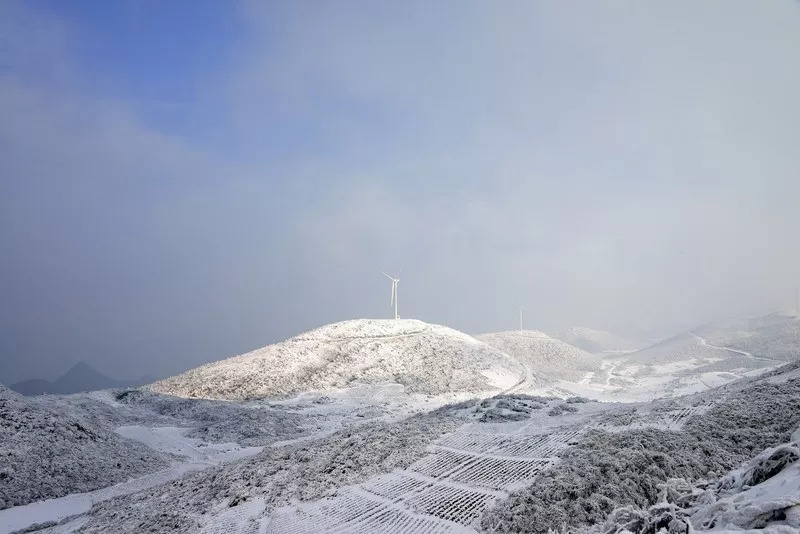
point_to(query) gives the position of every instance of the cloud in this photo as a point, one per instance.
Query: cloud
(598, 164)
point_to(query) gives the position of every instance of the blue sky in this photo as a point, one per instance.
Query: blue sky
(182, 181)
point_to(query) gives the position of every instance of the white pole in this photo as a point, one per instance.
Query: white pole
(395, 298)
(520, 317)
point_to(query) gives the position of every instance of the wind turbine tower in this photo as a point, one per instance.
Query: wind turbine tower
(394, 291)
(520, 317)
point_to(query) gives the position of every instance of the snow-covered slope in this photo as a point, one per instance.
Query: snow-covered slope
(684, 347)
(544, 354)
(424, 358)
(775, 336)
(594, 341)
(45, 453)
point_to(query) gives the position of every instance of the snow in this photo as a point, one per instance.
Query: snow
(448, 489)
(353, 437)
(49, 453)
(543, 354)
(681, 365)
(171, 440)
(423, 358)
(596, 341)
(771, 337)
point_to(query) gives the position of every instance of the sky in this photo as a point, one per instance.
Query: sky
(188, 180)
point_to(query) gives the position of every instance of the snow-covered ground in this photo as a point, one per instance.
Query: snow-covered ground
(421, 357)
(681, 365)
(45, 452)
(545, 355)
(193, 455)
(354, 454)
(773, 337)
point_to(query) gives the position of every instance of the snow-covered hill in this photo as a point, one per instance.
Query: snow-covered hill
(774, 336)
(45, 453)
(595, 341)
(544, 354)
(684, 347)
(511, 463)
(424, 358)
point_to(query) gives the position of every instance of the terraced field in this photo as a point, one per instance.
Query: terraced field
(446, 491)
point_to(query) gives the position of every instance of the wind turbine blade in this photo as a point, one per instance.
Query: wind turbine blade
(391, 302)
(387, 276)
(401, 271)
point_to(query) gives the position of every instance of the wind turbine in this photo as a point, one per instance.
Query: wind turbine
(394, 290)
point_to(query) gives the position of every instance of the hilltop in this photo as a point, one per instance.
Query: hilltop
(424, 358)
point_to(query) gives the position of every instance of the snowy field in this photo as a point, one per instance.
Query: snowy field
(686, 432)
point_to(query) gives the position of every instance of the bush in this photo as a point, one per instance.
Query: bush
(605, 471)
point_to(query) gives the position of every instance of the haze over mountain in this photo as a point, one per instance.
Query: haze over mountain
(592, 340)
(80, 377)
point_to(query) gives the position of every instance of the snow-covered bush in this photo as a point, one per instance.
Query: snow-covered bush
(304, 471)
(605, 471)
(560, 409)
(46, 453)
(220, 421)
(684, 507)
(577, 400)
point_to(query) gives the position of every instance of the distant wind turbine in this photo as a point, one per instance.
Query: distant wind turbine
(394, 291)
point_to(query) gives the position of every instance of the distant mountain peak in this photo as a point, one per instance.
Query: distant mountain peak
(80, 377)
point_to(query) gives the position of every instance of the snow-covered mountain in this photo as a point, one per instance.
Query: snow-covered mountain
(424, 358)
(544, 354)
(595, 341)
(46, 453)
(775, 336)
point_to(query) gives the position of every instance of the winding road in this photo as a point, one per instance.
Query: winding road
(736, 351)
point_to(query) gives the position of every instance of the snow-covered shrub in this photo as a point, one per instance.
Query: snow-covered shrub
(577, 400)
(304, 471)
(504, 408)
(220, 421)
(46, 453)
(560, 409)
(763, 467)
(728, 503)
(606, 471)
